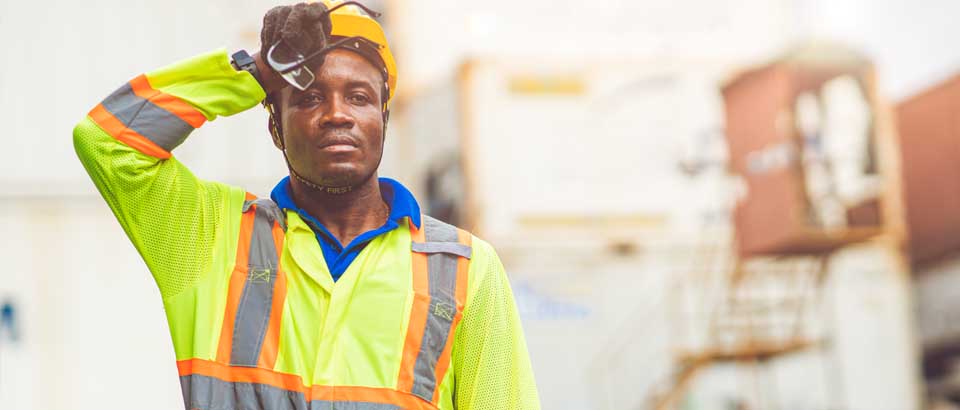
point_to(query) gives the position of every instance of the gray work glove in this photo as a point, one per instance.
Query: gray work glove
(305, 27)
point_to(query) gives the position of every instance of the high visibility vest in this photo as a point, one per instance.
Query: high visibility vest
(242, 376)
(255, 318)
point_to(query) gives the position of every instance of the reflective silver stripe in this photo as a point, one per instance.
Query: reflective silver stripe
(273, 211)
(443, 247)
(442, 273)
(146, 118)
(208, 393)
(350, 405)
(253, 312)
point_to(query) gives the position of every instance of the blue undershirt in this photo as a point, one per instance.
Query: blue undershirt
(396, 196)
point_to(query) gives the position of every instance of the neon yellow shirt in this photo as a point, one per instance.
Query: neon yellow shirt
(346, 334)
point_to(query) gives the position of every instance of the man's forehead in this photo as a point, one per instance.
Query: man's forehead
(342, 68)
(345, 65)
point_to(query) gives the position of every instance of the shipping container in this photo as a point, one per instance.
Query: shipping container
(928, 126)
(571, 151)
(802, 133)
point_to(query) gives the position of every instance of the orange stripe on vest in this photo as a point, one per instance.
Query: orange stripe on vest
(118, 130)
(190, 115)
(237, 279)
(271, 341)
(418, 313)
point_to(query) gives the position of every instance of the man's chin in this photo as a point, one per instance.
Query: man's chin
(338, 181)
(341, 178)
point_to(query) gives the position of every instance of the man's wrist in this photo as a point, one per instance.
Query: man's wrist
(241, 61)
(268, 79)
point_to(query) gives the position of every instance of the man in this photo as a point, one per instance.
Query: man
(335, 293)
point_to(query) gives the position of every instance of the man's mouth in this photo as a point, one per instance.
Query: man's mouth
(338, 143)
(338, 148)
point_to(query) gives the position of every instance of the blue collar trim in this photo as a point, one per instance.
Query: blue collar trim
(395, 195)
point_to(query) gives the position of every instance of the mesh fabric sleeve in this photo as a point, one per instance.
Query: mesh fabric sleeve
(491, 365)
(169, 214)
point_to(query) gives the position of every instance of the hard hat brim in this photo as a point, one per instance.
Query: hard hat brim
(350, 25)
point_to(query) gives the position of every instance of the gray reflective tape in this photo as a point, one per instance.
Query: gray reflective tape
(443, 247)
(273, 211)
(161, 126)
(438, 231)
(123, 104)
(442, 273)
(146, 118)
(348, 405)
(263, 250)
(253, 312)
(209, 393)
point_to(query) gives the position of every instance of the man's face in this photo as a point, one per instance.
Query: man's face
(333, 131)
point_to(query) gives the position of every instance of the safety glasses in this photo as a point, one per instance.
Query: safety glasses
(292, 65)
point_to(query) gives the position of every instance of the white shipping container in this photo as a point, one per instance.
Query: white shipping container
(612, 147)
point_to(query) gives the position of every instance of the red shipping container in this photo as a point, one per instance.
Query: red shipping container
(929, 139)
(767, 149)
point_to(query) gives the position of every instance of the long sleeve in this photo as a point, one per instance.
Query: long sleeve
(125, 141)
(490, 360)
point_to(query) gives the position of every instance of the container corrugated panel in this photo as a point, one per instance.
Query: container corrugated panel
(929, 132)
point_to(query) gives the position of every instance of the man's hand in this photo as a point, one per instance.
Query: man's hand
(305, 27)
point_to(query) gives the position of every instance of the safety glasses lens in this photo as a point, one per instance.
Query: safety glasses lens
(290, 65)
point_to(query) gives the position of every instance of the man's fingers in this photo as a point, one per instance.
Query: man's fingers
(316, 14)
(320, 32)
(293, 30)
(306, 27)
(272, 23)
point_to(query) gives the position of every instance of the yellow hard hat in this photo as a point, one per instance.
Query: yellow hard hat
(352, 21)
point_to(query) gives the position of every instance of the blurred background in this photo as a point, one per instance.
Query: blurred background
(729, 205)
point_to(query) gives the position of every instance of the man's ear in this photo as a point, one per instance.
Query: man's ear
(273, 123)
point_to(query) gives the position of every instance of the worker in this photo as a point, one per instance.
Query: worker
(333, 293)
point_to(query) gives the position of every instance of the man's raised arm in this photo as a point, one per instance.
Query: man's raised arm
(125, 144)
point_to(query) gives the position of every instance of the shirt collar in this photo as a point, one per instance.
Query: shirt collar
(395, 195)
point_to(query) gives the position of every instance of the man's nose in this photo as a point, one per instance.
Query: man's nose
(337, 114)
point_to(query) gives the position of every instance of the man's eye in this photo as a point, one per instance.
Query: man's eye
(310, 99)
(358, 99)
